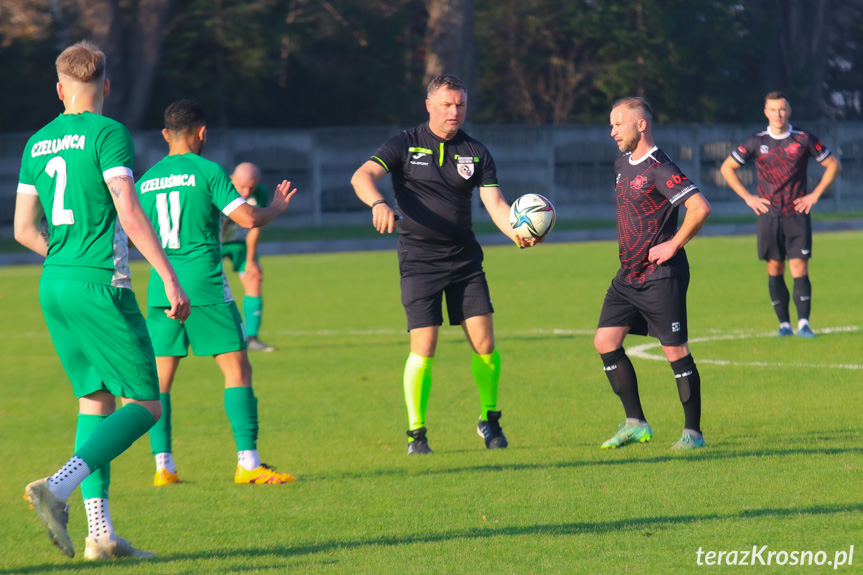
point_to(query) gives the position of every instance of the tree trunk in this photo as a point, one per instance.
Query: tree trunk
(131, 37)
(450, 42)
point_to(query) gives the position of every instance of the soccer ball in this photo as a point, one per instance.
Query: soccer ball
(532, 216)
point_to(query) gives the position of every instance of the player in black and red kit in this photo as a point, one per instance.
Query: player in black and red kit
(648, 294)
(781, 156)
(435, 167)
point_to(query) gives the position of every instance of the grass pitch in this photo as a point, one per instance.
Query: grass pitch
(781, 418)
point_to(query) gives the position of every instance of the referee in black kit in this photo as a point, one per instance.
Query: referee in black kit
(435, 167)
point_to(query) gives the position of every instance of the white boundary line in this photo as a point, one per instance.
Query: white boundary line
(444, 330)
(641, 351)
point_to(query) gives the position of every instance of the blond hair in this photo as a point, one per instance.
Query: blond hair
(83, 62)
(635, 103)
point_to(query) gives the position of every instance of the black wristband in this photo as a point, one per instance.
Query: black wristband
(378, 202)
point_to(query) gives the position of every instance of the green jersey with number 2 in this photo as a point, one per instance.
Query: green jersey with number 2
(67, 164)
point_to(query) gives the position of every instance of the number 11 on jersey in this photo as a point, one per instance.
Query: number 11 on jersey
(168, 207)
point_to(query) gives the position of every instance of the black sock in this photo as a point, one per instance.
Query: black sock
(621, 376)
(689, 389)
(779, 297)
(803, 296)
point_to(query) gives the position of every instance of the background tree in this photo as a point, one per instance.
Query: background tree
(310, 63)
(449, 41)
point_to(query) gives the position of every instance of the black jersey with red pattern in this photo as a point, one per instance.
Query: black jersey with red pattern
(649, 193)
(781, 162)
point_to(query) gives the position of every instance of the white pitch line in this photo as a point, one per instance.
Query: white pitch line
(641, 351)
(448, 329)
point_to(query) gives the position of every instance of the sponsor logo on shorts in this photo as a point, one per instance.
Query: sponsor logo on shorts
(805, 252)
(675, 327)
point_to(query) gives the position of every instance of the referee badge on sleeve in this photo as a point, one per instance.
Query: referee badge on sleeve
(465, 167)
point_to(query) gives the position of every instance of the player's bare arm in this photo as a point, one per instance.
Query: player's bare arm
(832, 169)
(729, 171)
(697, 211)
(28, 224)
(364, 183)
(253, 270)
(249, 216)
(498, 209)
(141, 232)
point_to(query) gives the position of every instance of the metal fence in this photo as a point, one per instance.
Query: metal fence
(572, 165)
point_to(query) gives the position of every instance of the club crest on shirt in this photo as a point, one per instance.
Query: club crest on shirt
(638, 182)
(465, 167)
(792, 148)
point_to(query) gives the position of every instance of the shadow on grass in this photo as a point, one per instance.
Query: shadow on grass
(552, 529)
(698, 456)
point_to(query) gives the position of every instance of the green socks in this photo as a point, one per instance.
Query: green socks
(114, 435)
(486, 374)
(252, 309)
(96, 484)
(417, 381)
(160, 433)
(241, 405)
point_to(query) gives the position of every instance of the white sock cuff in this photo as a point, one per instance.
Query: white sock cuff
(70, 476)
(249, 459)
(165, 460)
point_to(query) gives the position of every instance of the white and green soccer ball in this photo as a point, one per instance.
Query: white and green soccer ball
(532, 216)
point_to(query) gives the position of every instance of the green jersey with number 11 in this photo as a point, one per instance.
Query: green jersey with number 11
(183, 195)
(67, 164)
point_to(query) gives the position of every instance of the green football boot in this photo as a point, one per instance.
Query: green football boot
(629, 433)
(689, 441)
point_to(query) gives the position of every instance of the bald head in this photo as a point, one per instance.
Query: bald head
(246, 178)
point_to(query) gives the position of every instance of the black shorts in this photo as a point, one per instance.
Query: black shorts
(429, 271)
(657, 308)
(785, 238)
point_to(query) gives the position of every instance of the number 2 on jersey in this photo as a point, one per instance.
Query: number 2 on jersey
(169, 219)
(56, 168)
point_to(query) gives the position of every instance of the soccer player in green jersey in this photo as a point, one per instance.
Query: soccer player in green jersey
(184, 196)
(241, 247)
(77, 171)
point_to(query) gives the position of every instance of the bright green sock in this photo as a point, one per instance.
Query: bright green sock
(96, 484)
(241, 405)
(486, 374)
(160, 434)
(417, 381)
(253, 307)
(115, 434)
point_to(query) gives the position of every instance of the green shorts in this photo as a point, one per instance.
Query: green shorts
(101, 338)
(236, 252)
(210, 330)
